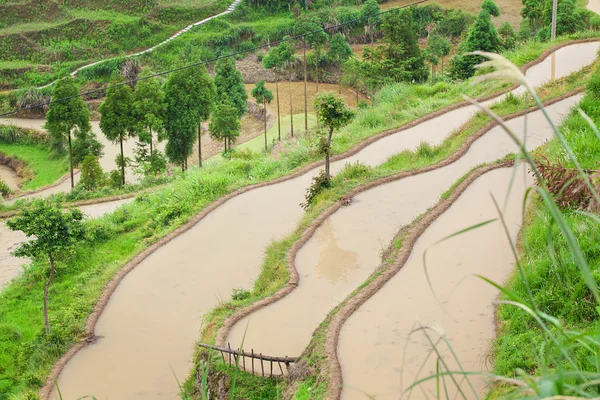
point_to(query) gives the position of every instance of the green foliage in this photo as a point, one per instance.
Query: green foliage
(491, 8)
(117, 120)
(568, 20)
(261, 94)
(454, 23)
(5, 190)
(339, 50)
(225, 123)
(92, 176)
(281, 57)
(190, 95)
(507, 35)
(482, 37)
(331, 111)
(369, 15)
(53, 234)
(115, 179)
(149, 109)
(318, 185)
(229, 82)
(68, 116)
(437, 48)
(84, 145)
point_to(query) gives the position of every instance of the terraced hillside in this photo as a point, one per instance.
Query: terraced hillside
(43, 39)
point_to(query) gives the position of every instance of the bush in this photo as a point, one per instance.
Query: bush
(92, 176)
(320, 183)
(4, 189)
(240, 294)
(115, 179)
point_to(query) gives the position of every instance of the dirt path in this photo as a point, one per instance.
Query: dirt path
(165, 290)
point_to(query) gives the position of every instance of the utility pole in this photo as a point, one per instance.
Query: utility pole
(554, 7)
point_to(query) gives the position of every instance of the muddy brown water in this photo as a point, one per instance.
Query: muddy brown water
(11, 267)
(389, 358)
(594, 5)
(347, 247)
(10, 177)
(147, 331)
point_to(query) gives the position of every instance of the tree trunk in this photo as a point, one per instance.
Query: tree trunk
(71, 161)
(327, 153)
(122, 161)
(278, 114)
(151, 151)
(182, 166)
(317, 68)
(265, 110)
(46, 296)
(305, 95)
(432, 72)
(340, 83)
(442, 65)
(200, 144)
(225, 144)
(291, 107)
(356, 88)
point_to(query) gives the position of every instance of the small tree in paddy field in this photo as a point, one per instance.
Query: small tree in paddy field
(282, 58)
(149, 110)
(116, 118)
(262, 95)
(67, 116)
(437, 48)
(332, 113)
(225, 123)
(339, 52)
(53, 235)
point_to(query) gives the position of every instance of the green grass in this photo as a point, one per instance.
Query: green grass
(275, 275)
(28, 355)
(553, 275)
(45, 168)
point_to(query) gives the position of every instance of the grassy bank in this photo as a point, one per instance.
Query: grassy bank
(42, 166)
(560, 356)
(28, 354)
(275, 273)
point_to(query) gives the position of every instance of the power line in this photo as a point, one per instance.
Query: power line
(204, 62)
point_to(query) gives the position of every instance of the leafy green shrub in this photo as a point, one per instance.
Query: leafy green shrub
(92, 176)
(320, 183)
(4, 189)
(240, 294)
(354, 170)
(115, 179)
(425, 150)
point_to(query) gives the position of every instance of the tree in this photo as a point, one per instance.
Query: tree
(67, 117)
(532, 11)
(568, 20)
(225, 123)
(190, 94)
(149, 111)
(370, 15)
(339, 52)
(402, 57)
(482, 37)
(116, 118)
(92, 176)
(507, 35)
(262, 95)
(333, 114)
(491, 8)
(318, 40)
(52, 236)
(229, 82)
(437, 48)
(283, 58)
